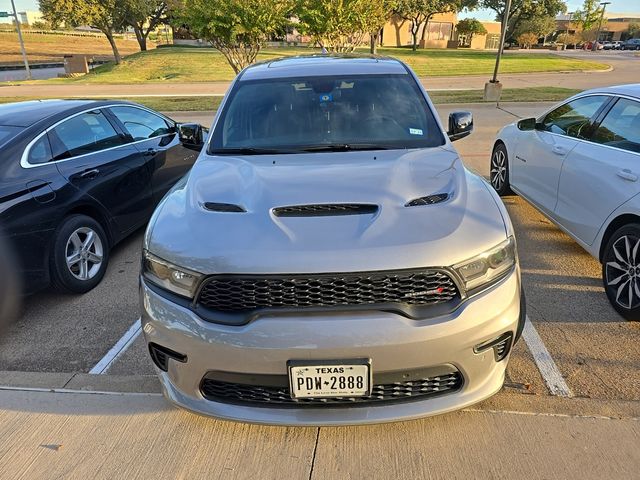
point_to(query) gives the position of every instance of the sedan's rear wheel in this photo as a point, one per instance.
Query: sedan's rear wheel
(621, 271)
(80, 254)
(499, 173)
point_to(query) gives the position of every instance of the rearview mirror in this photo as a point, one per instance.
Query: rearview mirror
(191, 135)
(527, 124)
(460, 125)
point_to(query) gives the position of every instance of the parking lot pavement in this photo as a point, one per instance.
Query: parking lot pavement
(587, 344)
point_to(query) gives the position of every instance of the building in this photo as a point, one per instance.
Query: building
(29, 17)
(488, 41)
(435, 34)
(439, 32)
(615, 26)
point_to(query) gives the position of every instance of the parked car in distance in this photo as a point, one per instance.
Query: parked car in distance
(329, 259)
(631, 44)
(579, 164)
(78, 176)
(617, 45)
(606, 45)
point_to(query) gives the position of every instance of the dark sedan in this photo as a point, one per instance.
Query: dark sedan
(78, 176)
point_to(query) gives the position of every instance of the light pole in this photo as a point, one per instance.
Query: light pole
(24, 53)
(503, 36)
(604, 6)
(493, 88)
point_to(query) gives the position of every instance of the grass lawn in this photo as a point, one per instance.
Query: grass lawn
(180, 64)
(200, 104)
(52, 48)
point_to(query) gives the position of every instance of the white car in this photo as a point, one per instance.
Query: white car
(579, 164)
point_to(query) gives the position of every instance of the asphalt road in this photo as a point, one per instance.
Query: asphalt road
(596, 352)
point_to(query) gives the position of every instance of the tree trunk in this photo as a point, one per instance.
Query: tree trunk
(140, 37)
(109, 34)
(374, 43)
(415, 28)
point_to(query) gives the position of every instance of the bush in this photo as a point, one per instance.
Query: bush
(527, 39)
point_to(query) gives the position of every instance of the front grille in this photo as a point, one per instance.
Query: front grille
(242, 293)
(325, 209)
(276, 396)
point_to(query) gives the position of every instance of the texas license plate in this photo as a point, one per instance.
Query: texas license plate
(351, 378)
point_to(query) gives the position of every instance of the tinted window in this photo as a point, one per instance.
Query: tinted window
(621, 127)
(85, 133)
(141, 124)
(573, 118)
(384, 110)
(6, 132)
(40, 151)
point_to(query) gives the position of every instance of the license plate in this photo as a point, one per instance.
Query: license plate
(351, 378)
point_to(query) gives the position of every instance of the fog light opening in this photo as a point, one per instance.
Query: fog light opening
(161, 355)
(501, 346)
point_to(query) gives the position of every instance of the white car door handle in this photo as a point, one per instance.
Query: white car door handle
(627, 175)
(558, 150)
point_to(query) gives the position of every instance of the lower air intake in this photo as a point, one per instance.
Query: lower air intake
(279, 396)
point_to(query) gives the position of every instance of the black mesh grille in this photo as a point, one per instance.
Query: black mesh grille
(238, 293)
(257, 395)
(325, 209)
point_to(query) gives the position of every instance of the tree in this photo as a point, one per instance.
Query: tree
(540, 26)
(527, 39)
(634, 30)
(589, 16)
(522, 10)
(237, 28)
(105, 15)
(144, 16)
(470, 27)
(340, 25)
(419, 12)
(566, 39)
(387, 7)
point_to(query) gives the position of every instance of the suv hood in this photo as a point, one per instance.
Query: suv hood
(395, 236)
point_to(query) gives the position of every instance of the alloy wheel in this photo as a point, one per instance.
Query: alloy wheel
(84, 253)
(498, 169)
(623, 272)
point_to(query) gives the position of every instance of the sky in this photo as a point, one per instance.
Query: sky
(622, 6)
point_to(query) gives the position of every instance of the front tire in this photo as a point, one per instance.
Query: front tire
(621, 271)
(80, 255)
(499, 170)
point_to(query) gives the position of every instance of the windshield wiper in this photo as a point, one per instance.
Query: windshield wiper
(345, 147)
(252, 151)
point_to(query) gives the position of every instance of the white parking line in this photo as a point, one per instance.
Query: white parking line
(548, 368)
(118, 349)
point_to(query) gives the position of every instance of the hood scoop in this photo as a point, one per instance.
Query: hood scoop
(325, 210)
(223, 207)
(428, 200)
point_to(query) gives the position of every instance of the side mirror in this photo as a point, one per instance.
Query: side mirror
(460, 125)
(191, 135)
(527, 124)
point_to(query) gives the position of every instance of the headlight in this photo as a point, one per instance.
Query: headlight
(488, 266)
(170, 277)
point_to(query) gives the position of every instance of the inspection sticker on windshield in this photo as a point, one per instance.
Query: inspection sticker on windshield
(350, 378)
(415, 131)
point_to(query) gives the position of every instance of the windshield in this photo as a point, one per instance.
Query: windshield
(6, 132)
(325, 113)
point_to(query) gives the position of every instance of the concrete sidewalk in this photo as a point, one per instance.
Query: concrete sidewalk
(93, 435)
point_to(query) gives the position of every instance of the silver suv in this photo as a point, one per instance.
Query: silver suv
(329, 259)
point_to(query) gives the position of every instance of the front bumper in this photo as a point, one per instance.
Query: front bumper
(392, 342)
